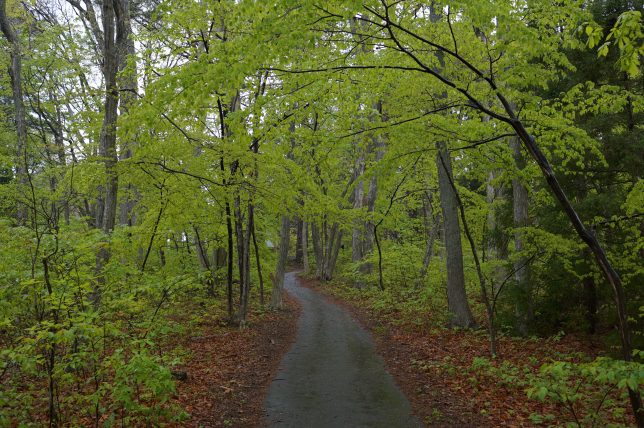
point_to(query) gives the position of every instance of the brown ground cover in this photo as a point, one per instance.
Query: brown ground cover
(229, 371)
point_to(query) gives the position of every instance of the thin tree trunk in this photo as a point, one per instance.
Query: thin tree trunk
(378, 146)
(459, 308)
(298, 242)
(154, 233)
(202, 256)
(277, 294)
(259, 267)
(202, 251)
(305, 246)
(358, 200)
(245, 286)
(229, 269)
(431, 228)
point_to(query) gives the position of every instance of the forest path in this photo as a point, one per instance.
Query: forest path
(332, 376)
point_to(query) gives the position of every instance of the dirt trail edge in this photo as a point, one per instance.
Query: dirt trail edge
(332, 376)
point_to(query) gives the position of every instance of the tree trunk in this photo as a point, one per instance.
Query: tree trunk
(305, 246)
(107, 147)
(431, 229)
(298, 242)
(241, 260)
(229, 264)
(590, 297)
(333, 256)
(106, 201)
(245, 284)
(459, 308)
(489, 307)
(523, 305)
(331, 250)
(258, 260)
(358, 200)
(495, 239)
(378, 146)
(15, 73)
(127, 95)
(204, 262)
(317, 250)
(277, 294)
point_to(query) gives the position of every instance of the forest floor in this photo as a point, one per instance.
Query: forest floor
(449, 377)
(229, 368)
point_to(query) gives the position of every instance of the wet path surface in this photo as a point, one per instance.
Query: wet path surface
(332, 376)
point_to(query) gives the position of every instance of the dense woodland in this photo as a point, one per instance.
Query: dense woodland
(470, 164)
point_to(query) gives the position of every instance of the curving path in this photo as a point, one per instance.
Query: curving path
(332, 376)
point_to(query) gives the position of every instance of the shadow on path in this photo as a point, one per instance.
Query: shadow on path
(332, 376)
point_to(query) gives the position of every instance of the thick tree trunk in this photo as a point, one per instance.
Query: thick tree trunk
(277, 294)
(523, 305)
(15, 73)
(106, 201)
(127, 95)
(459, 308)
(107, 147)
(331, 251)
(333, 256)
(489, 306)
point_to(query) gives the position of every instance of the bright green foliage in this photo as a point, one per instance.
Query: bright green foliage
(603, 382)
(627, 34)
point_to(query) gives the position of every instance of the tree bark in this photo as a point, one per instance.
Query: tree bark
(358, 200)
(305, 246)
(127, 95)
(459, 308)
(277, 294)
(107, 147)
(258, 261)
(298, 242)
(15, 73)
(317, 250)
(245, 284)
(482, 281)
(523, 306)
